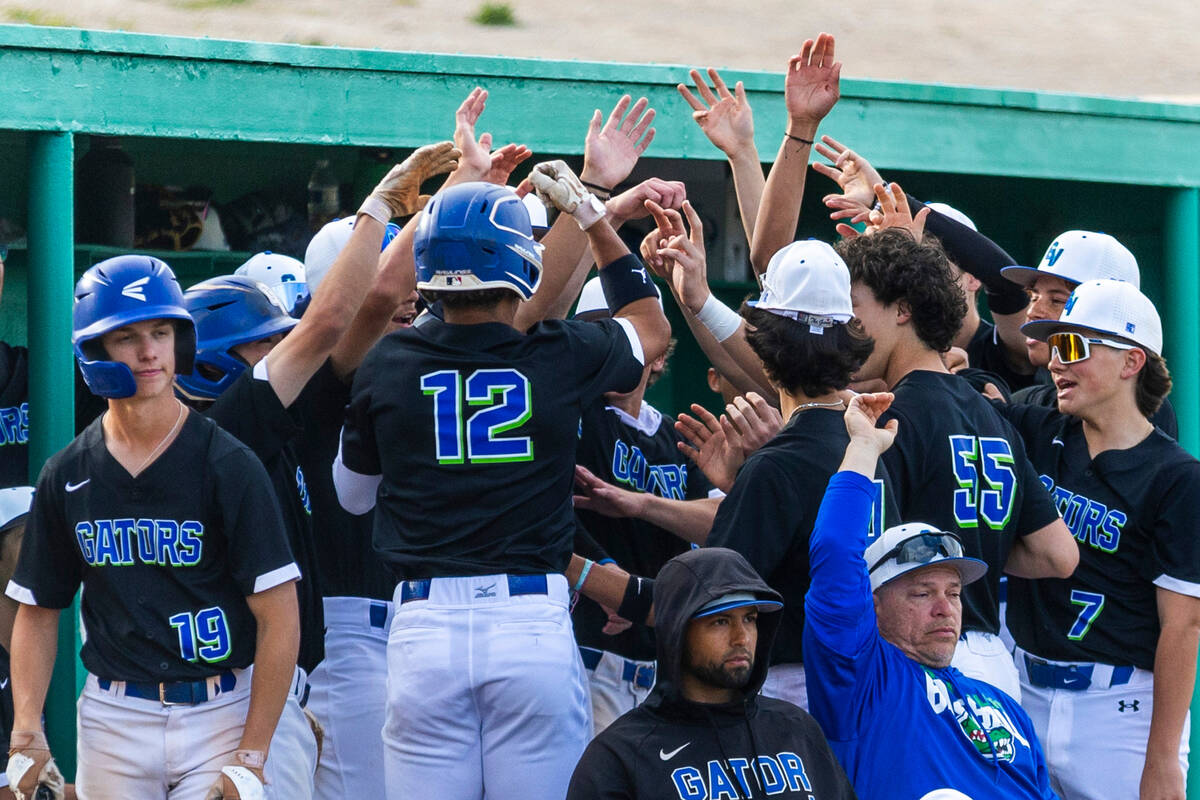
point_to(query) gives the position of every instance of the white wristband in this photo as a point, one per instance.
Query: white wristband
(376, 209)
(590, 211)
(721, 320)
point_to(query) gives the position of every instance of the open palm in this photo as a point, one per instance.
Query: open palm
(812, 85)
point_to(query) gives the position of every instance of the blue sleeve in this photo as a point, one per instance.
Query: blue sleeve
(839, 611)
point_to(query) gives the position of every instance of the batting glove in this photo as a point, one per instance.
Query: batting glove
(241, 780)
(31, 769)
(557, 185)
(399, 193)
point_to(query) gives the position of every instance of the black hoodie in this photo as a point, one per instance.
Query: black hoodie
(670, 747)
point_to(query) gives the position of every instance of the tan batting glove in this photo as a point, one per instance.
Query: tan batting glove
(242, 779)
(30, 765)
(399, 193)
(557, 185)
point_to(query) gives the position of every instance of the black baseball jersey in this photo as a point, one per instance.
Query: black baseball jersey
(251, 411)
(473, 428)
(14, 416)
(960, 466)
(166, 559)
(347, 563)
(1133, 513)
(1044, 394)
(987, 352)
(770, 511)
(641, 455)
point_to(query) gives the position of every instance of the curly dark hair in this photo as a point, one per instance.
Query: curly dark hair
(474, 298)
(897, 268)
(795, 358)
(1153, 385)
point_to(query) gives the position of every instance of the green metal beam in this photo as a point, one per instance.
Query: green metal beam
(51, 373)
(133, 84)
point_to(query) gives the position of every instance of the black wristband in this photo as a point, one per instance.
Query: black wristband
(598, 190)
(799, 138)
(624, 281)
(638, 600)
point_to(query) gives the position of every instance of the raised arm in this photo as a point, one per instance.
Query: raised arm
(811, 90)
(728, 122)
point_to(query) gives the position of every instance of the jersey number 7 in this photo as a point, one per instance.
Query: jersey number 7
(986, 481)
(508, 398)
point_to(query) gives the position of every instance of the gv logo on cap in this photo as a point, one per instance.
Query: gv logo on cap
(1070, 301)
(1053, 254)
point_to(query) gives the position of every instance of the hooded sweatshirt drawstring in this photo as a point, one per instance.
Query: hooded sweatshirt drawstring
(754, 765)
(725, 762)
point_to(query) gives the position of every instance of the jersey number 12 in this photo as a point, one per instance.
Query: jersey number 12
(508, 400)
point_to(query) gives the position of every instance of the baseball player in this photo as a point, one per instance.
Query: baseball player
(14, 409)
(283, 275)
(1072, 258)
(171, 527)
(14, 509)
(463, 430)
(957, 464)
(1107, 656)
(881, 627)
(632, 472)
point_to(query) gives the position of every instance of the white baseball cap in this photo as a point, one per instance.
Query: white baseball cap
(284, 275)
(808, 282)
(945, 794)
(325, 247)
(1114, 308)
(1079, 256)
(14, 505)
(539, 218)
(913, 545)
(947, 210)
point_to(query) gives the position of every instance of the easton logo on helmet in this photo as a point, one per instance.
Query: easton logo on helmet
(136, 289)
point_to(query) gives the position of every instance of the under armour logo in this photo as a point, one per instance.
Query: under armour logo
(136, 289)
(485, 591)
(1130, 327)
(1123, 706)
(1053, 254)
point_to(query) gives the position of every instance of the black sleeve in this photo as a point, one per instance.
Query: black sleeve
(1037, 506)
(752, 519)
(259, 555)
(251, 411)
(600, 775)
(603, 357)
(587, 547)
(1175, 546)
(358, 448)
(49, 565)
(980, 256)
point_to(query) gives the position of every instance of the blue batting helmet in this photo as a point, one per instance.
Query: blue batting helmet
(118, 292)
(229, 310)
(477, 236)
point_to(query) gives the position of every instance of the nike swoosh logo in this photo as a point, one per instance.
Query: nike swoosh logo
(71, 487)
(4, 683)
(673, 753)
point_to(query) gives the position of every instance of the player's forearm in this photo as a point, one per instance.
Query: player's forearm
(779, 213)
(611, 586)
(732, 357)
(34, 645)
(277, 644)
(606, 245)
(748, 184)
(1174, 680)
(562, 275)
(690, 520)
(1049, 552)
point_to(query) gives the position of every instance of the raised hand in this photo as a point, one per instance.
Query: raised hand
(593, 494)
(504, 161)
(755, 420)
(853, 173)
(631, 204)
(689, 266)
(862, 420)
(611, 152)
(556, 184)
(725, 118)
(400, 189)
(893, 211)
(668, 223)
(476, 161)
(812, 86)
(713, 445)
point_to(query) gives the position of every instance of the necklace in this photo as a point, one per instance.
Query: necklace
(161, 442)
(834, 404)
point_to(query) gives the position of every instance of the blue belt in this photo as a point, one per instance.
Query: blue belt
(640, 675)
(177, 692)
(1073, 677)
(517, 584)
(377, 614)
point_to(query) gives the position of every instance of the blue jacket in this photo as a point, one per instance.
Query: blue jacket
(900, 729)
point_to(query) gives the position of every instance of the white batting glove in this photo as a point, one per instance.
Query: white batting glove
(30, 766)
(557, 185)
(241, 780)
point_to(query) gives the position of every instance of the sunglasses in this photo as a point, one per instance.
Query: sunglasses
(1071, 348)
(922, 549)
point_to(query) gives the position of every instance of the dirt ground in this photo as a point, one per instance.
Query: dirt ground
(1109, 47)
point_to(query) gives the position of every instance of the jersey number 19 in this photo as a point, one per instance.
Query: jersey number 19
(508, 400)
